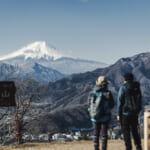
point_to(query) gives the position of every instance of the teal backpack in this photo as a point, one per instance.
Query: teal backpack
(96, 109)
(99, 108)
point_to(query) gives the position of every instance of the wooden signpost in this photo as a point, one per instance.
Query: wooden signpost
(147, 129)
(7, 93)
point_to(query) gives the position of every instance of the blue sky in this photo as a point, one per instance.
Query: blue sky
(102, 30)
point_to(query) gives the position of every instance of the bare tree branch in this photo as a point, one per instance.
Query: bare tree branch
(4, 114)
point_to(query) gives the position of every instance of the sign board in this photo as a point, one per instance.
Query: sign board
(7, 93)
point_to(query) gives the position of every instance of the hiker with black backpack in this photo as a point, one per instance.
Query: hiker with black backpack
(128, 108)
(100, 104)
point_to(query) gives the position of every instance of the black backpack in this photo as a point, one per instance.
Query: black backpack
(132, 103)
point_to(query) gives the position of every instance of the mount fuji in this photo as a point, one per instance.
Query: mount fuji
(48, 58)
(36, 50)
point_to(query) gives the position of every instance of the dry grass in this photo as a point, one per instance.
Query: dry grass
(79, 145)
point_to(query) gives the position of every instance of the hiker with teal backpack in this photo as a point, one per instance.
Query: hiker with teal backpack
(100, 104)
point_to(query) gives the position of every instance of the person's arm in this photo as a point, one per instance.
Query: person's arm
(140, 99)
(119, 102)
(111, 101)
(89, 101)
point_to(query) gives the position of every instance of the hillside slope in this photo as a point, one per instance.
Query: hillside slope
(67, 98)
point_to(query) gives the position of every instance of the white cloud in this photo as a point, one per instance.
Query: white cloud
(84, 1)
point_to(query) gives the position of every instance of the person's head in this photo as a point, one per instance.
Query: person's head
(101, 80)
(128, 77)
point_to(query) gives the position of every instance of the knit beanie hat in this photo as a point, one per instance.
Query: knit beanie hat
(101, 81)
(128, 77)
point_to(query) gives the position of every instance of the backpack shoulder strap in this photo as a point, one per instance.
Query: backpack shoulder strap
(97, 94)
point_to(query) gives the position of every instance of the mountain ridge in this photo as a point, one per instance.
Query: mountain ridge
(67, 94)
(35, 71)
(39, 52)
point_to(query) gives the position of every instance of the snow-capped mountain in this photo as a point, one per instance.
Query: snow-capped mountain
(36, 50)
(50, 57)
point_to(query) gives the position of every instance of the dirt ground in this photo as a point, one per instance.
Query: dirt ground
(78, 145)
